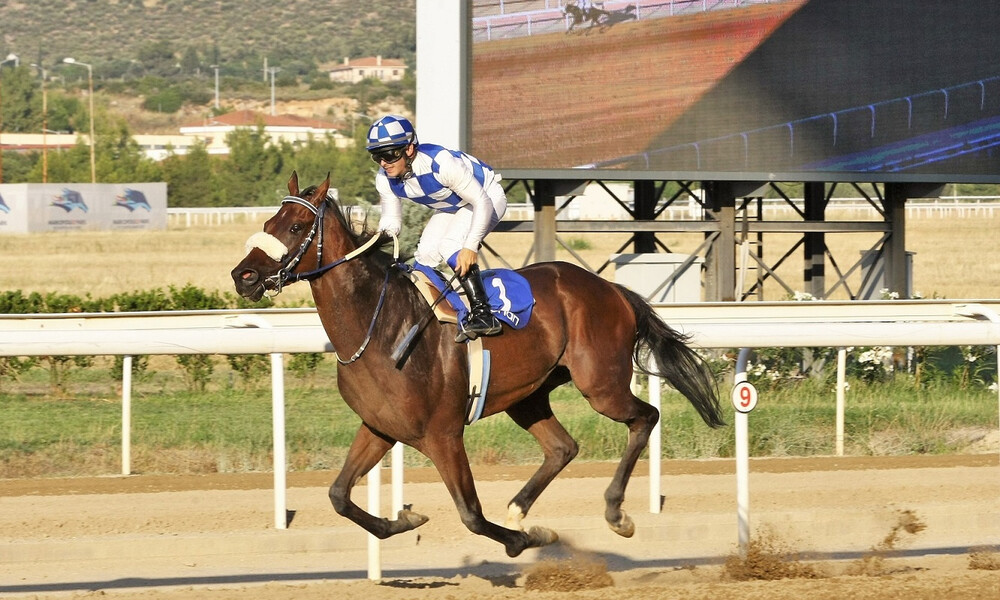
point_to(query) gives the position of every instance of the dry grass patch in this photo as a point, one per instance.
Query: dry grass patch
(105, 263)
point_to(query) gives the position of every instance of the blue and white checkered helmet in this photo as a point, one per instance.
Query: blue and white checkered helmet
(391, 131)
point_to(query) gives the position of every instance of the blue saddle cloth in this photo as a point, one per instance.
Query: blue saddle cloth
(510, 296)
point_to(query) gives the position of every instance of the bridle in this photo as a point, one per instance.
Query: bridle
(285, 276)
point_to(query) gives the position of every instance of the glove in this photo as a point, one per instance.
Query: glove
(392, 227)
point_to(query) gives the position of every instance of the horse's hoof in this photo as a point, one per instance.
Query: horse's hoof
(410, 519)
(536, 537)
(541, 536)
(625, 526)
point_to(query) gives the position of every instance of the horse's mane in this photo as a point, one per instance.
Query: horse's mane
(381, 257)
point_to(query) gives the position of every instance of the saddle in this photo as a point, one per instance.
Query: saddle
(444, 312)
(509, 293)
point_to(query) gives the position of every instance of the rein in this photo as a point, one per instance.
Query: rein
(285, 276)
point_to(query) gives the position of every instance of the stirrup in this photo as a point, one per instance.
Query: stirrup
(464, 335)
(487, 325)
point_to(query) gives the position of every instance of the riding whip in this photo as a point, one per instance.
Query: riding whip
(400, 351)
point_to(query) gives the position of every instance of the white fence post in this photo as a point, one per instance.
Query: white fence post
(127, 415)
(397, 478)
(374, 500)
(744, 403)
(655, 448)
(841, 392)
(278, 433)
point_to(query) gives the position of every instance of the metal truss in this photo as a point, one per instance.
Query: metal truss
(735, 221)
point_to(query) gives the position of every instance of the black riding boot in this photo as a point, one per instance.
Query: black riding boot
(480, 320)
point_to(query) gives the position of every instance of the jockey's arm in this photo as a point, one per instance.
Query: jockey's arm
(391, 220)
(460, 180)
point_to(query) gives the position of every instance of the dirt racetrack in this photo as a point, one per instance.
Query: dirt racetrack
(865, 528)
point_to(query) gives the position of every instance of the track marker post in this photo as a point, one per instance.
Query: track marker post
(744, 397)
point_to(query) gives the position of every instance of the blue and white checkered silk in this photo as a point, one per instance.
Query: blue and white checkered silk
(425, 188)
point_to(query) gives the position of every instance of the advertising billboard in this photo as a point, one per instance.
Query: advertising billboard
(32, 207)
(786, 90)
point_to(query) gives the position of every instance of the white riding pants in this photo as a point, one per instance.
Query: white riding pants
(445, 233)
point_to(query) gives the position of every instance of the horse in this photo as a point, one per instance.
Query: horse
(583, 329)
(580, 15)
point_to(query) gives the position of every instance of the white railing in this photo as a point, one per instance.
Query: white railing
(549, 17)
(710, 325)
(946, 206)
(188, 217)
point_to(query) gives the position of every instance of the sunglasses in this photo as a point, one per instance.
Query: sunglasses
(389, 155)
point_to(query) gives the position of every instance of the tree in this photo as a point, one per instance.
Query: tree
(190, 63)
(251, 176)
(21, 96)
(190, 179)
(158, 58)
(120, 159)
(70, 165)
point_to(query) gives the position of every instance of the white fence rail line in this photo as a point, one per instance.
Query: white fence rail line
(550, 17)
(961, 207)
(278, 331)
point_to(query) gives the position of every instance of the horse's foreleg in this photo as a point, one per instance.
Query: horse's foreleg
(452, 463)
(366, 451)
(534, 415)
(640, 423)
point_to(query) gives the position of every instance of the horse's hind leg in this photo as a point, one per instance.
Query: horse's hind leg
(641, 419)
(609, 394)
(366, 451)
(534, 415)
(448, 455)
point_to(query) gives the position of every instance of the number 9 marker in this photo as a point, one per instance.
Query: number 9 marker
(744, 396)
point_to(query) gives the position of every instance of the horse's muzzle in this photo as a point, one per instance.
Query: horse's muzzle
(248, 283)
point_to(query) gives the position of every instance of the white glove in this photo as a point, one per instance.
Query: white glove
(390, 226)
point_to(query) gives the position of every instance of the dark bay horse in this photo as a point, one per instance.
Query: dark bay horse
(583, 328)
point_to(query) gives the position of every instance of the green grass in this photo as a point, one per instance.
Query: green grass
(228, 428)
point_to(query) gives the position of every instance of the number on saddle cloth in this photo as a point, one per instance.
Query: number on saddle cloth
(509, 294)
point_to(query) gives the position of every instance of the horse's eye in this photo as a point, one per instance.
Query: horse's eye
(297, 227)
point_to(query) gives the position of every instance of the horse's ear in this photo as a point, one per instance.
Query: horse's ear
(322, 188)
(293, 184)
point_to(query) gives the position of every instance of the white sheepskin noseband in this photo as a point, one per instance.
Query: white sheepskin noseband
(271, 245)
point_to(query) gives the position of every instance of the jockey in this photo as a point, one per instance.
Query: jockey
(467, 199)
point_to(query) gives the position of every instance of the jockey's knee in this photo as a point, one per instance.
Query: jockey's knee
(427, 257)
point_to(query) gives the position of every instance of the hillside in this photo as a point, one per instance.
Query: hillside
(146, 53)
(226, 32)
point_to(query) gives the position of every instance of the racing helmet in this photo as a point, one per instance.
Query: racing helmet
(390, 131)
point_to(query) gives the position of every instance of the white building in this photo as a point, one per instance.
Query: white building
(294, 129)
(373, 67)
(211, 132)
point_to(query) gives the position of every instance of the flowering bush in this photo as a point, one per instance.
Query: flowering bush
(770, 367)
(871, 363)
(966, 366)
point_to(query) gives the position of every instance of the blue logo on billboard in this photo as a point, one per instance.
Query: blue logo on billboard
(70, 199)
(3, 206)
(133, 199)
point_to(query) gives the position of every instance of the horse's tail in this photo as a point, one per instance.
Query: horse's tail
(681, 366)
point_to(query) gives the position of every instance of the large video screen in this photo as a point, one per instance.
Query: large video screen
(831, 90)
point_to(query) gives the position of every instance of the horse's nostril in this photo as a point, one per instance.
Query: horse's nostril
(249, 276)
